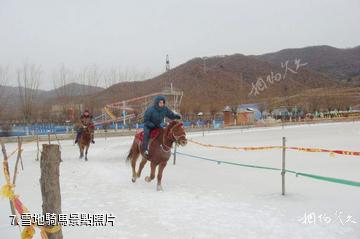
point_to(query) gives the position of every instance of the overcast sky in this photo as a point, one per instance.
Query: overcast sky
(138, 34)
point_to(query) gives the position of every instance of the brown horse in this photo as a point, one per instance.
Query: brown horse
(84, 141)
(159, 151)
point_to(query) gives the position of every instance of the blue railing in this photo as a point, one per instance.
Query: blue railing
(35, 129)
(43, 129)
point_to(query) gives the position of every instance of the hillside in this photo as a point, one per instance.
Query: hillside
(339, 64)
(224, 80)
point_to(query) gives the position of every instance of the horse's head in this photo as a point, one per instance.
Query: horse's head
(176, 132)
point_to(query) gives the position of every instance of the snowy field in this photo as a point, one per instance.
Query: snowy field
(203, 199)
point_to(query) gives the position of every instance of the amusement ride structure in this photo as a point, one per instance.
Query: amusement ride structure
(132, 110)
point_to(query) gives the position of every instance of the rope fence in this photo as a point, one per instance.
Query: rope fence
(283, 170)
(249, 148)
(323, 178)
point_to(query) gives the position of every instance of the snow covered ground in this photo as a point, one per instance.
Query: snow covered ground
(203, 199)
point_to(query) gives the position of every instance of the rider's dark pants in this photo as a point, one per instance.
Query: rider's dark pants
(145, 141)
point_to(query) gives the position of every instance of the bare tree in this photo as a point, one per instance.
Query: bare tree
(61, 79)
(4, 78)
(117, 75)
(113, 76)
(64, 92)
(28, 78)
(89, 77)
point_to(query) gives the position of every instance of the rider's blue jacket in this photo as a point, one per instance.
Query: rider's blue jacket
(155, 115)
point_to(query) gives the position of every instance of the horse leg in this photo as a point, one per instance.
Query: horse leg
(141, 166)
(159, 176)
(134, 154)
(133, 167)
(81, 150)
(86, 152)
(152, 172)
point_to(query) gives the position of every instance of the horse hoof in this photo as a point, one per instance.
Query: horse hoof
(86, 159)
(133, 180)
(159, 188)
(147, 179)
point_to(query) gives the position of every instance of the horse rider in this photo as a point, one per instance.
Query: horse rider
(85, 121)
(153, 117)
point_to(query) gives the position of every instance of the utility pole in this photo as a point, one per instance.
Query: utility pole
(204, 63)
(167, 67)
(167, 63)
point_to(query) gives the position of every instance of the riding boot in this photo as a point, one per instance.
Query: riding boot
(145, 152)
(92, 138)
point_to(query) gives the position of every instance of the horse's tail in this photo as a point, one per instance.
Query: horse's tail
(129, 155)
(131, 151)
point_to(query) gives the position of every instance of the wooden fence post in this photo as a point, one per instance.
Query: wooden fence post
(49, 181)
(18, 158)
(283, 166)
(7, 177)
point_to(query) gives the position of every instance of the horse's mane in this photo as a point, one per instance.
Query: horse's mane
(170, 126)
(173, 123)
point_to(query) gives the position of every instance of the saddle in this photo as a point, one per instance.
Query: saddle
(154, 133)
